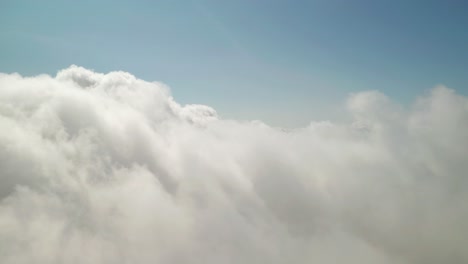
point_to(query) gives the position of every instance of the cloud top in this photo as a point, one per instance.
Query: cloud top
(108, 168)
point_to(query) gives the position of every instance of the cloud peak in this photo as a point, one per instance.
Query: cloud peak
(108, 168)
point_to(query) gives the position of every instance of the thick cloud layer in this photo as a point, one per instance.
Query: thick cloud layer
(107, 168)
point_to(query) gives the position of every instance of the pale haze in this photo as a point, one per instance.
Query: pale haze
(197, 132)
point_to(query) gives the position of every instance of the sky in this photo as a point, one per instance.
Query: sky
(284, 62)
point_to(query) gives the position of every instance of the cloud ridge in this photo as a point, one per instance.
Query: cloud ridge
(108, 168)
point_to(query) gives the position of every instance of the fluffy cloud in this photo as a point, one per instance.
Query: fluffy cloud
(107, 168)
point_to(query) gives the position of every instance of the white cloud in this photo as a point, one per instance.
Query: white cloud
(107, 168)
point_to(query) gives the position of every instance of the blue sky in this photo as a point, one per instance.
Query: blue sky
(284, 62)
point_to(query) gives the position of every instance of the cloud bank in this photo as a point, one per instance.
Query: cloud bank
(107, 168)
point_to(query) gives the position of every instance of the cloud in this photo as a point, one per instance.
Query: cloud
(108, 168)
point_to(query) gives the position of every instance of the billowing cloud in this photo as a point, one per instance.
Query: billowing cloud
(107, 168)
